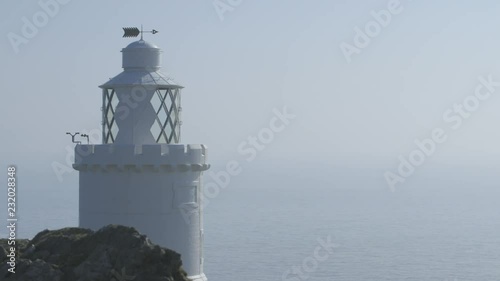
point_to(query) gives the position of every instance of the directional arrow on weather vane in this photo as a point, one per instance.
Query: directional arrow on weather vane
(131, 32)
(134, 32)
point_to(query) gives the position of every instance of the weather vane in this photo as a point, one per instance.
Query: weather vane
(134, 31)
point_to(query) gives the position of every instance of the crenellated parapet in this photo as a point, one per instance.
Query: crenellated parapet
(153, 157)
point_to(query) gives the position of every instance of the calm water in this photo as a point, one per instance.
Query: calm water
(258, 234)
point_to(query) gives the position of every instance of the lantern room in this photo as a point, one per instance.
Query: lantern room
(141, 105)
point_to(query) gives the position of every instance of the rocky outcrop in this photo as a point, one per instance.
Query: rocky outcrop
(113, 253)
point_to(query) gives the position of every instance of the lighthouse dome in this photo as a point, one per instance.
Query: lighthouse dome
(141, 61)
(141, 44)
(141, 55)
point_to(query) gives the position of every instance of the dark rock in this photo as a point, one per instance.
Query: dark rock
(113, 253)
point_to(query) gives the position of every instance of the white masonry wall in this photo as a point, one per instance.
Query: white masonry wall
(155, 188)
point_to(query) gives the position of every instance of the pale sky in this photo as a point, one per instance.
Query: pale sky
(353, 119)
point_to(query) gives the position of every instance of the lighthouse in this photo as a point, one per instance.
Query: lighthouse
(142, 175)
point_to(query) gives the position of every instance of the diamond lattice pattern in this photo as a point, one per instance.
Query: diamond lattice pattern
(166, 128)
(110, 128)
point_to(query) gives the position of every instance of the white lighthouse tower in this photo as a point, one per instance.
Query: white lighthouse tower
(140, 175)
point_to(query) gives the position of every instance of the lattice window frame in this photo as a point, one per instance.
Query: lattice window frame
(109, 127)
(167, 130)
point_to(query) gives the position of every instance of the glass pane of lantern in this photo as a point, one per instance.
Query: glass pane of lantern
(156, 101)
(114, 102)
(109, 116)
(162, 113)
(155, 130)
(168, 132)
(114, 130)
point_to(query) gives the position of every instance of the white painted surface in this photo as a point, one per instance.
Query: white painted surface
(137, 182)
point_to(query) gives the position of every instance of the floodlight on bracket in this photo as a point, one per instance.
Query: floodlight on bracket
(85, 136)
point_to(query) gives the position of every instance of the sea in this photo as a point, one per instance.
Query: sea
(321, 233)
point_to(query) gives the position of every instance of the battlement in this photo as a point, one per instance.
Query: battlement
(168, 157)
